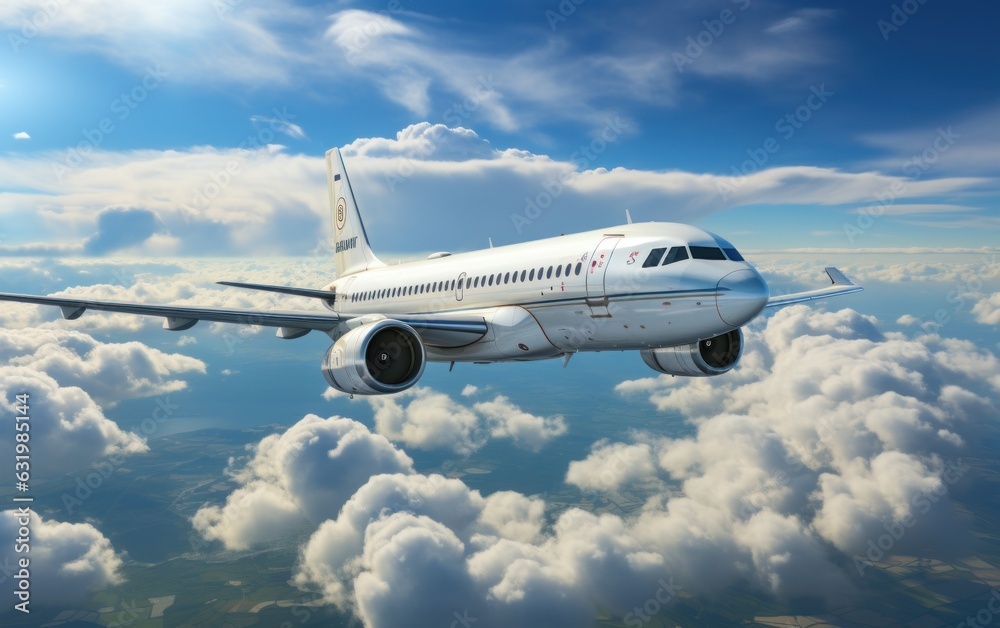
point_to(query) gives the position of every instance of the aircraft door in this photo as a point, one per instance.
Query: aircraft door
(460, 288)
(597, 298)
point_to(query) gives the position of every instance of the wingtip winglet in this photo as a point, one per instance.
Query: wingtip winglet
(838, 278)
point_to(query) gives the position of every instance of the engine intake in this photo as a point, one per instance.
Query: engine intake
(705, 358)
(377, 358)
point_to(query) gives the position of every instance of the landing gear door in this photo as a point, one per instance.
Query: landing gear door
(597, 298)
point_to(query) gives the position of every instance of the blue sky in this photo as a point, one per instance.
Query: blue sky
(809, 101)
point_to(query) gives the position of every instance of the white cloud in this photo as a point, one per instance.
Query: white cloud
(987, 309)
(297, 479)
(21, 135)
(433, 420)
(831, 425)
(109, 372)
(470, 390)
(269, 200)
(69, 431)
(907, 319)
(290, 129)
(830, 431)
(527, 431)
(236, 44)
(429, 420)
(612, 465)
(69, 561)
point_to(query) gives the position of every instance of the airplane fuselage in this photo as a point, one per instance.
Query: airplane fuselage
(592, 291)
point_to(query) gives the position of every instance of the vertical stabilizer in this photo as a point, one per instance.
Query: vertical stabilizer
(352, 252)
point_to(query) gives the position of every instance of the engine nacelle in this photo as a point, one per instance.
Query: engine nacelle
(377, 358)
(705, 358)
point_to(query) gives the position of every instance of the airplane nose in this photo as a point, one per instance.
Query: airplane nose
(742, 296)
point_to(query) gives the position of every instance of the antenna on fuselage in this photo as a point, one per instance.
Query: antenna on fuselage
(491, 242)
(628, 217)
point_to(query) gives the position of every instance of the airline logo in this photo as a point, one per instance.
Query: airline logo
(341, 215)
(347, 244)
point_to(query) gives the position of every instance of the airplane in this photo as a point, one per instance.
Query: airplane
(675, 293)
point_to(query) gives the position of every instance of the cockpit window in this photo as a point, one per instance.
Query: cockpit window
(734, 255)
(676, 254)
(654, 257)
(707, 252)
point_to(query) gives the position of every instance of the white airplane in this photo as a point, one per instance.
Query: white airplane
(675, 293)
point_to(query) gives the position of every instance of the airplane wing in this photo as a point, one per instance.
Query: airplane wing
(840, 285)
(436, 331)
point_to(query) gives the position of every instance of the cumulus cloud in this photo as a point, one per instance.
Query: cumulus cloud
(109, 372)
(69, 431)
(612, 465)
(417, 549)
(296, 479)
(987, 309)
(831, 430)
(21, 135)
(69, 561)
(433, 420)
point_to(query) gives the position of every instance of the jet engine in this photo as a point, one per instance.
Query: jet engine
(704, 358)
(377, 358)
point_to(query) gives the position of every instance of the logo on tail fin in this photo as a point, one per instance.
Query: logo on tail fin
(341, 212)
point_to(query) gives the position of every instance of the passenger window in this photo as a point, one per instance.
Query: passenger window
(514, 277)
(654, 257)
(568, 268)
(491, 280)
(579, 267)
(707, 252)
(531, 275)
(523, 274)
(558, 271)
(452, 284)
(506, 277)
(540, 272)
(548, 274)
(734, 255)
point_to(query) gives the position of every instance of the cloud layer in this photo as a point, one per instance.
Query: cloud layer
(269, 201)
(831, 436)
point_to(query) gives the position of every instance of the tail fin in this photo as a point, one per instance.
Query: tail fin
(352, 252)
